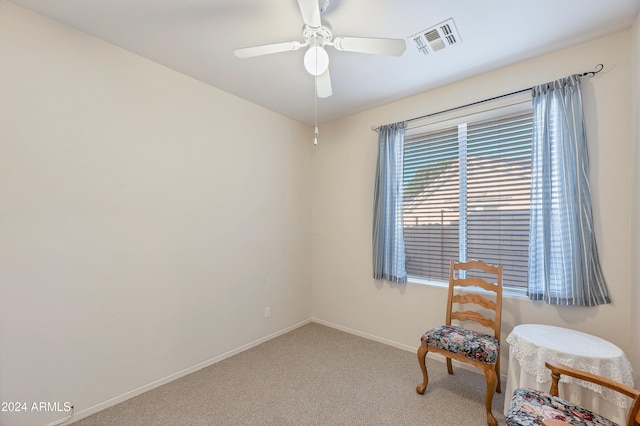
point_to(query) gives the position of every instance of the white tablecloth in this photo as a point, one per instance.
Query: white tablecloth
(531, 345)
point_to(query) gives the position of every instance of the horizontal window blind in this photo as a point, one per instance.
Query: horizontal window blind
(430, 203)
(498, 194)
(482, 169)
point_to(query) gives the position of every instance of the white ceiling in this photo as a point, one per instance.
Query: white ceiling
(197, 38)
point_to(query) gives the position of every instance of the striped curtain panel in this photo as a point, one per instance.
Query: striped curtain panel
(388, 237)
(563, 258)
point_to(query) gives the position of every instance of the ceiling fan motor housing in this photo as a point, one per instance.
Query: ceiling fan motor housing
(317, 36)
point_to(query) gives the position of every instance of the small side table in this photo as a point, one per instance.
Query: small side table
(533, 344)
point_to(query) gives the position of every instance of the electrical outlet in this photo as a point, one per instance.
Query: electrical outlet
(267, 312)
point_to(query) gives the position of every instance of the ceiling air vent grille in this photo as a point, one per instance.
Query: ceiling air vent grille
(437, 37)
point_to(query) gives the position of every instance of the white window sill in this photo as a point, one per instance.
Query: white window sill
(506, 291)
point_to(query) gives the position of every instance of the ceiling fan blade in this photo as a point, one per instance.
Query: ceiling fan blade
(310, 10)
(377, 46)
(323, 85)
(267, 49)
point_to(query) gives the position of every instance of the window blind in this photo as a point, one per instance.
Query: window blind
(430, 203)
(466, 196)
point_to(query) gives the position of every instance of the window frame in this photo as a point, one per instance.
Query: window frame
(486, 111)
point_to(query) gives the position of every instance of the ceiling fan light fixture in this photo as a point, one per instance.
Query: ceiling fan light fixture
(316, 60)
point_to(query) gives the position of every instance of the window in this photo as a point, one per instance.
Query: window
(466, 194)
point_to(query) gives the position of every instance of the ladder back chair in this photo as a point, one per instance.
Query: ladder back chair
(478, 348)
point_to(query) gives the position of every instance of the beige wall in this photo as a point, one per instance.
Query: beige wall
(635, 197)
(345, 295)
(146, 220)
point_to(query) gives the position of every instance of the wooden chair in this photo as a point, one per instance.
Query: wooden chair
(549, 409)
(479, 349)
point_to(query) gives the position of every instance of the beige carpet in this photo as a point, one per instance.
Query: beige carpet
(313, 375)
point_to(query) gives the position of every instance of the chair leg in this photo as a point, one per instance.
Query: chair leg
(498, 386)
(422, 355)
(491, 378)
(449, 366)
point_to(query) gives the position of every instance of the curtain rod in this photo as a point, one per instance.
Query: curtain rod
(598, 68)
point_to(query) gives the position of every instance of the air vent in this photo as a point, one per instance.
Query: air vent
(437, 37)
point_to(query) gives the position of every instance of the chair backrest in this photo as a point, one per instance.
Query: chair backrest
(557, 369)
(475, 273)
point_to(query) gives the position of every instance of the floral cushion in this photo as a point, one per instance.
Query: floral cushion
(530, 407)
(472, 344)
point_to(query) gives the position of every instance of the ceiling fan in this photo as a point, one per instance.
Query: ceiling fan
(317, 34)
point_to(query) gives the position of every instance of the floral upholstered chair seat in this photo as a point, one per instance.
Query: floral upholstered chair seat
(531, 407)
(472, 344)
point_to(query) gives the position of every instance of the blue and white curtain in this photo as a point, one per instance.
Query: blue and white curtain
(563, 258)
(388, 238)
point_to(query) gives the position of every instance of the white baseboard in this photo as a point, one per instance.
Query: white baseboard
(365, 335)
(135, 392)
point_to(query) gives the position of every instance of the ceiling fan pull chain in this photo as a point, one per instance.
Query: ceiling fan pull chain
(315, 109)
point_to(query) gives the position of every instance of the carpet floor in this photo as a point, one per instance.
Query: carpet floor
(313, 375)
